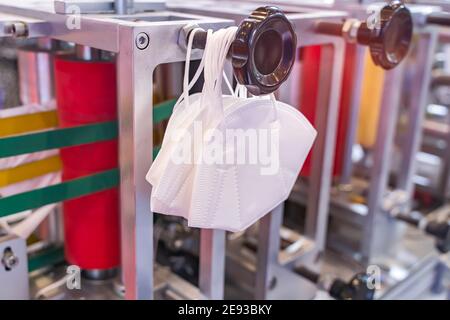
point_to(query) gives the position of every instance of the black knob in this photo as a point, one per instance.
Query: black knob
(263, 52)
(356, 289)
(389, 42)
(441, 230)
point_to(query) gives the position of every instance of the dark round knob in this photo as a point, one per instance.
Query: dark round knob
(263, 52)
(441, 230)
(389, 42)
(356, 289)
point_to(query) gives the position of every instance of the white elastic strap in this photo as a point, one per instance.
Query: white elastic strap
(274, 105)
(188, 86)
(215, 56)
(187, 65)
(241, 91)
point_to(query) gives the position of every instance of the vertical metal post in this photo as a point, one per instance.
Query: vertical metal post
(347, 167)
(86, 53)
(420, 87)
(268, 250)
(123, 6)
(381, 165)
(444, 183)
(212, 263)
(135, 104)
(331, 66)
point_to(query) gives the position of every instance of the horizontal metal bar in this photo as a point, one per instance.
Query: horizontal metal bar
(104, 6)
(59, 192)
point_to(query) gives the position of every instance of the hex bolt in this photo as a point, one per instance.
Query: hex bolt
(9, 259)
(142, 40)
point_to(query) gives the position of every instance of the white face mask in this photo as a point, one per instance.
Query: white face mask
(255, 174)
(171, 190)
(237, 158)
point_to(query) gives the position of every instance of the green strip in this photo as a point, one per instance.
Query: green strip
(47, 257)
(60, 192)
(57, 138)
(66, 137)
(163, 111)
(156, 151)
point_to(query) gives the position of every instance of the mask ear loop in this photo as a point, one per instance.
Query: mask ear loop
(274, 105)
(215, 57)
(188, 86)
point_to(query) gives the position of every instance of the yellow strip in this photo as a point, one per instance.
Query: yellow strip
(372, 91)
(29, 170)
(28, 122)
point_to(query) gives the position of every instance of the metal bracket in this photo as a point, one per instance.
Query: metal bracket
(104, 6)
(18, 26)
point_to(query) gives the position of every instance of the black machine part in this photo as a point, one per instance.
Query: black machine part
(263, 51)
(357, 288)
(439, 229)
(388, 41)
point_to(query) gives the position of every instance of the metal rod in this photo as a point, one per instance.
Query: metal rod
(439, 18)
(330, 28)
(347, 167)
(86, 53)
(268, 249)
(309, 274)
(135, 102)
(123, 6)
(212, 263)
(323, 151)
(417, 104)
(373, 226)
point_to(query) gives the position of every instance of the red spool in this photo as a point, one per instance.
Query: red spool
(308, 100)
(86, 93)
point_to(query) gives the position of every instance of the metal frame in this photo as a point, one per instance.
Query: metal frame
(380, 233)
(135, 69)
(379, 172)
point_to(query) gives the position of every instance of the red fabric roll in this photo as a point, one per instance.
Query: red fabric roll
(309, 91)
(86, 93)
(308, 100)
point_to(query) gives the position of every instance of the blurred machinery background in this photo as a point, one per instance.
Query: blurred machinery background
(87, 88)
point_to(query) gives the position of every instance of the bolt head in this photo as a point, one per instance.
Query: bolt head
(142, 40)
(10, 260)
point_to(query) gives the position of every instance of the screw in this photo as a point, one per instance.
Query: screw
(273, 283)
(142, 40)
(9, 260)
